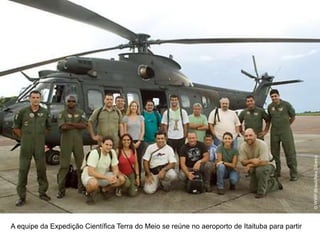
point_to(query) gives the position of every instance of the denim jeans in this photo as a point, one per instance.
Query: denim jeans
(225, 172)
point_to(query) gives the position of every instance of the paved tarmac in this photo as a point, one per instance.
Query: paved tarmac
(296, 197)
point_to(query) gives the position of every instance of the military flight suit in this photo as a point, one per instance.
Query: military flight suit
(253, 119)
(33, 126)
(281, 132)
(70, 142)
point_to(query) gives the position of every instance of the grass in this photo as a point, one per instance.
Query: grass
(309, 114)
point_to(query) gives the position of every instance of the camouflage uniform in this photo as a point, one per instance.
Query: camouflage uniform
(33, 126)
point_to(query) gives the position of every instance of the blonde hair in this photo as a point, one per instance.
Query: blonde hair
(128, 113)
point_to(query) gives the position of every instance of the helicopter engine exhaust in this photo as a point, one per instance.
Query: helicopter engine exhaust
(145, 72)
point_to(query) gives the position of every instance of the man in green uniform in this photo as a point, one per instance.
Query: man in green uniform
(71, 122)
(255, 157)
(108, 122)
(282, 115)
(253, 117)
(30, 125)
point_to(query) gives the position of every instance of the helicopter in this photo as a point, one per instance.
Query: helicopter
(137, 75)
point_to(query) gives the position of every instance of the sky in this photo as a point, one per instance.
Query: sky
(29, 35)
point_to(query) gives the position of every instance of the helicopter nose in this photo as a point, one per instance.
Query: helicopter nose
(1, 121)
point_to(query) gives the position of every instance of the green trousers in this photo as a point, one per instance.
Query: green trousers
(263, 180)
(287, 142)
(32, 147)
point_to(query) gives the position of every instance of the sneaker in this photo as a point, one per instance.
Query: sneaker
(118, 192)
(89, 198)
(220, 191)
(232, 187)
(82, 190)
(20, 202)
(44, 197)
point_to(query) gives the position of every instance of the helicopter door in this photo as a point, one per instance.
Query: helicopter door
(95, 99)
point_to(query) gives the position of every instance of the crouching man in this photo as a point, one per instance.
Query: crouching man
(101, 171)
(159, 162)
(254, 155)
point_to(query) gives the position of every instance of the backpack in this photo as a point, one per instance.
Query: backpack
(168, 110)
(100, 110)
(157, 115)
(98, 149)
(72, 178)
(195, 185)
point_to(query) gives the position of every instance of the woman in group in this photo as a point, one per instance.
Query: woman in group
(227, 160)
(101, 170)
(133, 124)
(128, 165)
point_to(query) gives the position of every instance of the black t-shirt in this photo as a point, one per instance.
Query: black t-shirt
(193, 153)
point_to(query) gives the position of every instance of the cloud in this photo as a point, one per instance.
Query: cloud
(299, 56)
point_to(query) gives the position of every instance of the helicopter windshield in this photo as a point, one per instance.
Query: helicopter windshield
(43, 88)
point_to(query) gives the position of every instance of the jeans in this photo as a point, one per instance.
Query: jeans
(225, 172)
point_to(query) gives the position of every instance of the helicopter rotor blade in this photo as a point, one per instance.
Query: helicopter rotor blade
(255, 66)
(283, 82)
(37, 64)
(235, 40)
(76, 12)
(248, 74)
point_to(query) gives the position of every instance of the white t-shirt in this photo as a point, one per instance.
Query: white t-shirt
(102, 165)
(163, 156)
(175, 125)
(228, 122)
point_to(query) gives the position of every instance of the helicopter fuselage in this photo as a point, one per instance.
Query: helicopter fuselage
(135, 76)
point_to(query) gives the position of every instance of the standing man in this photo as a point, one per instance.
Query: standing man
(108, 121)
(194, 156)
(198, 122)
(282, 115)
(253, 117)
(152, 121)
(121, 105)
(175, 123)
(30, 125)
(159, 162)
(254, 155)
(223, 120)
(71, 122)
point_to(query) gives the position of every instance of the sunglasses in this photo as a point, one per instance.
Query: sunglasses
(71, 101)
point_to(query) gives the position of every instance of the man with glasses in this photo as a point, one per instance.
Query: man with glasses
(71, 122)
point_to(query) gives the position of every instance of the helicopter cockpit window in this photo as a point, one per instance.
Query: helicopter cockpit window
(61, 91)
(43, 88)
(95, 99)
(185, 101)
(205, 102)
(58, 94)
(133, 96)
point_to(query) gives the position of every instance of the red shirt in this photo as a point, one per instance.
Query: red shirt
(124, 165)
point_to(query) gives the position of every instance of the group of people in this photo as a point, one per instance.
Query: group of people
(167, 147)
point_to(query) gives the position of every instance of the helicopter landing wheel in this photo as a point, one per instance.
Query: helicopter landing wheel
(52, 157)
